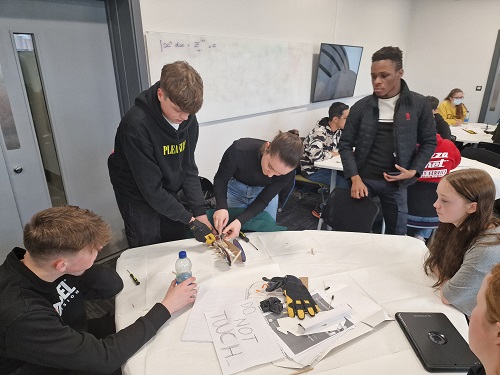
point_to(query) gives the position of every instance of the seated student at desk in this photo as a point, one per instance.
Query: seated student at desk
(467, 242)
(442, 127)
(322, 142)
(446, 157)
(43, 324)
(452, 109)
(251, 174)
(484, 326)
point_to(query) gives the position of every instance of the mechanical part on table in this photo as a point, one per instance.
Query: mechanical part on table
(229, 251)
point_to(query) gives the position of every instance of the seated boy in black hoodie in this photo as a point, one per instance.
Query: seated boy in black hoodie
(43, 323)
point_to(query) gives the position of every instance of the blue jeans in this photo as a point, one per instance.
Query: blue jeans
(394, 204)
(240, 195)
(423, 232)
(324, 176)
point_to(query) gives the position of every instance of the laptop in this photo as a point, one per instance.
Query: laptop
(436, 342)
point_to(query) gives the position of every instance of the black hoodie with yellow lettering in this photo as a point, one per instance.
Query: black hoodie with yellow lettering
(152, 161)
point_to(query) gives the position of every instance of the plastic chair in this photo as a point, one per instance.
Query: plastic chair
(344, 213)
(421, 197)
(482, 155)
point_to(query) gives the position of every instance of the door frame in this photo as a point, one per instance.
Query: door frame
(491, 78)
(128, 50)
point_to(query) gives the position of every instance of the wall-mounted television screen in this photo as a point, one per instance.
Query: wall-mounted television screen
(337, 71)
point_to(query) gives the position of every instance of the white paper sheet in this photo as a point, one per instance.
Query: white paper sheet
(209, 299)
(241, 337)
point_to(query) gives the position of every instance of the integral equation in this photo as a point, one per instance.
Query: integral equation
(198, 45)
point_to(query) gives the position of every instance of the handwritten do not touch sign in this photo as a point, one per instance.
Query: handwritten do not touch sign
(242, 338)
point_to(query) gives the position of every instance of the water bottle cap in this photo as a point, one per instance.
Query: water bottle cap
(182, 254)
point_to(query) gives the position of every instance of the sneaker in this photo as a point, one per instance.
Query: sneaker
(317, 212)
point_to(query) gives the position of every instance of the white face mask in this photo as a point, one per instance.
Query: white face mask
(457, 101)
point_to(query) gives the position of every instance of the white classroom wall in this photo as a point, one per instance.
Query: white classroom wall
(452, 51)
(408, 24)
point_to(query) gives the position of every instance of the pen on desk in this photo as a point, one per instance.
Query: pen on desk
(330, 305)
(136, 282)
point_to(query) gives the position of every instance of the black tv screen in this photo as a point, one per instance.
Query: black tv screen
(337, 72)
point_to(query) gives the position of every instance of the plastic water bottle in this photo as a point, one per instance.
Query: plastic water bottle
(182, 267)
(466, 119)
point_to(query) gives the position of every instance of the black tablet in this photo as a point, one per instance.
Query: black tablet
(436, 342)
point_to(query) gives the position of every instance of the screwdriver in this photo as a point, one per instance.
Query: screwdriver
(244, 237)
(136, 282)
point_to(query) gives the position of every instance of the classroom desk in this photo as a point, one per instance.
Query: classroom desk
(335, 164)
(480, 136)
(492, 171)
(386, 268)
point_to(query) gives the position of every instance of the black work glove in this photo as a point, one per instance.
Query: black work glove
(201, 232)
(272, 304)
(298, 299)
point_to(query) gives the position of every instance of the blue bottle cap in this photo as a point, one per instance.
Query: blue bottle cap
(182, 254)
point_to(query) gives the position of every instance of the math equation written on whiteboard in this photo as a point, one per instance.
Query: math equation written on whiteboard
(198, 45)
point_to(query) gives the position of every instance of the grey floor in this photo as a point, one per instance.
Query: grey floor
(296, 215)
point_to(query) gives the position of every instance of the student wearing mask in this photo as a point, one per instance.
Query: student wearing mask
(452, 108)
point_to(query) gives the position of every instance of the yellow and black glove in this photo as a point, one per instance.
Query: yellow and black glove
(298, 299)
(201, 232)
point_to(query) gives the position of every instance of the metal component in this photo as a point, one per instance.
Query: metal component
(229, 251)
(18, 169)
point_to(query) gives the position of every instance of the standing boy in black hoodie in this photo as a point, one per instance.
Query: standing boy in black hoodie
(153, 159)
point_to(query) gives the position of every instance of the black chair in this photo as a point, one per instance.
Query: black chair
(421, 197)
(344, 213)
(493, 147)
(482, 155)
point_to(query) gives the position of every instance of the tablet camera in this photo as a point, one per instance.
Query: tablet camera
(437, 338)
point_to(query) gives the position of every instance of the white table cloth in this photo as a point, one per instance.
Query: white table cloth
(387, 268)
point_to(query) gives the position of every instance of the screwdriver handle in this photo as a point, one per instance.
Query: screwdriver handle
(244, 237)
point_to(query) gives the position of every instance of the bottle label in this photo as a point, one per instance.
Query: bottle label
(182, 276)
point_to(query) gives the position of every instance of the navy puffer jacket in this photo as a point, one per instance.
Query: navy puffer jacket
(413, 124)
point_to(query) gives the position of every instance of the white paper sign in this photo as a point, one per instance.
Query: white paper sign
(242, 338)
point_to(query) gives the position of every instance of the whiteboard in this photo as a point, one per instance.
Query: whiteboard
(240, 76)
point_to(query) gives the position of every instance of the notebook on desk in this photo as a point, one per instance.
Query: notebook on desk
(436, 342)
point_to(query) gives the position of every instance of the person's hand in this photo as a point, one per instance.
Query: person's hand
(358, 188)
(221, 217)
(298, 299)
(180, 295)
(202, 232)
(404, 175)
(232, 230)
(458, 122)
(334, 153)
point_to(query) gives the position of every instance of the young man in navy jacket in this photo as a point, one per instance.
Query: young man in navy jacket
(378, 144)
